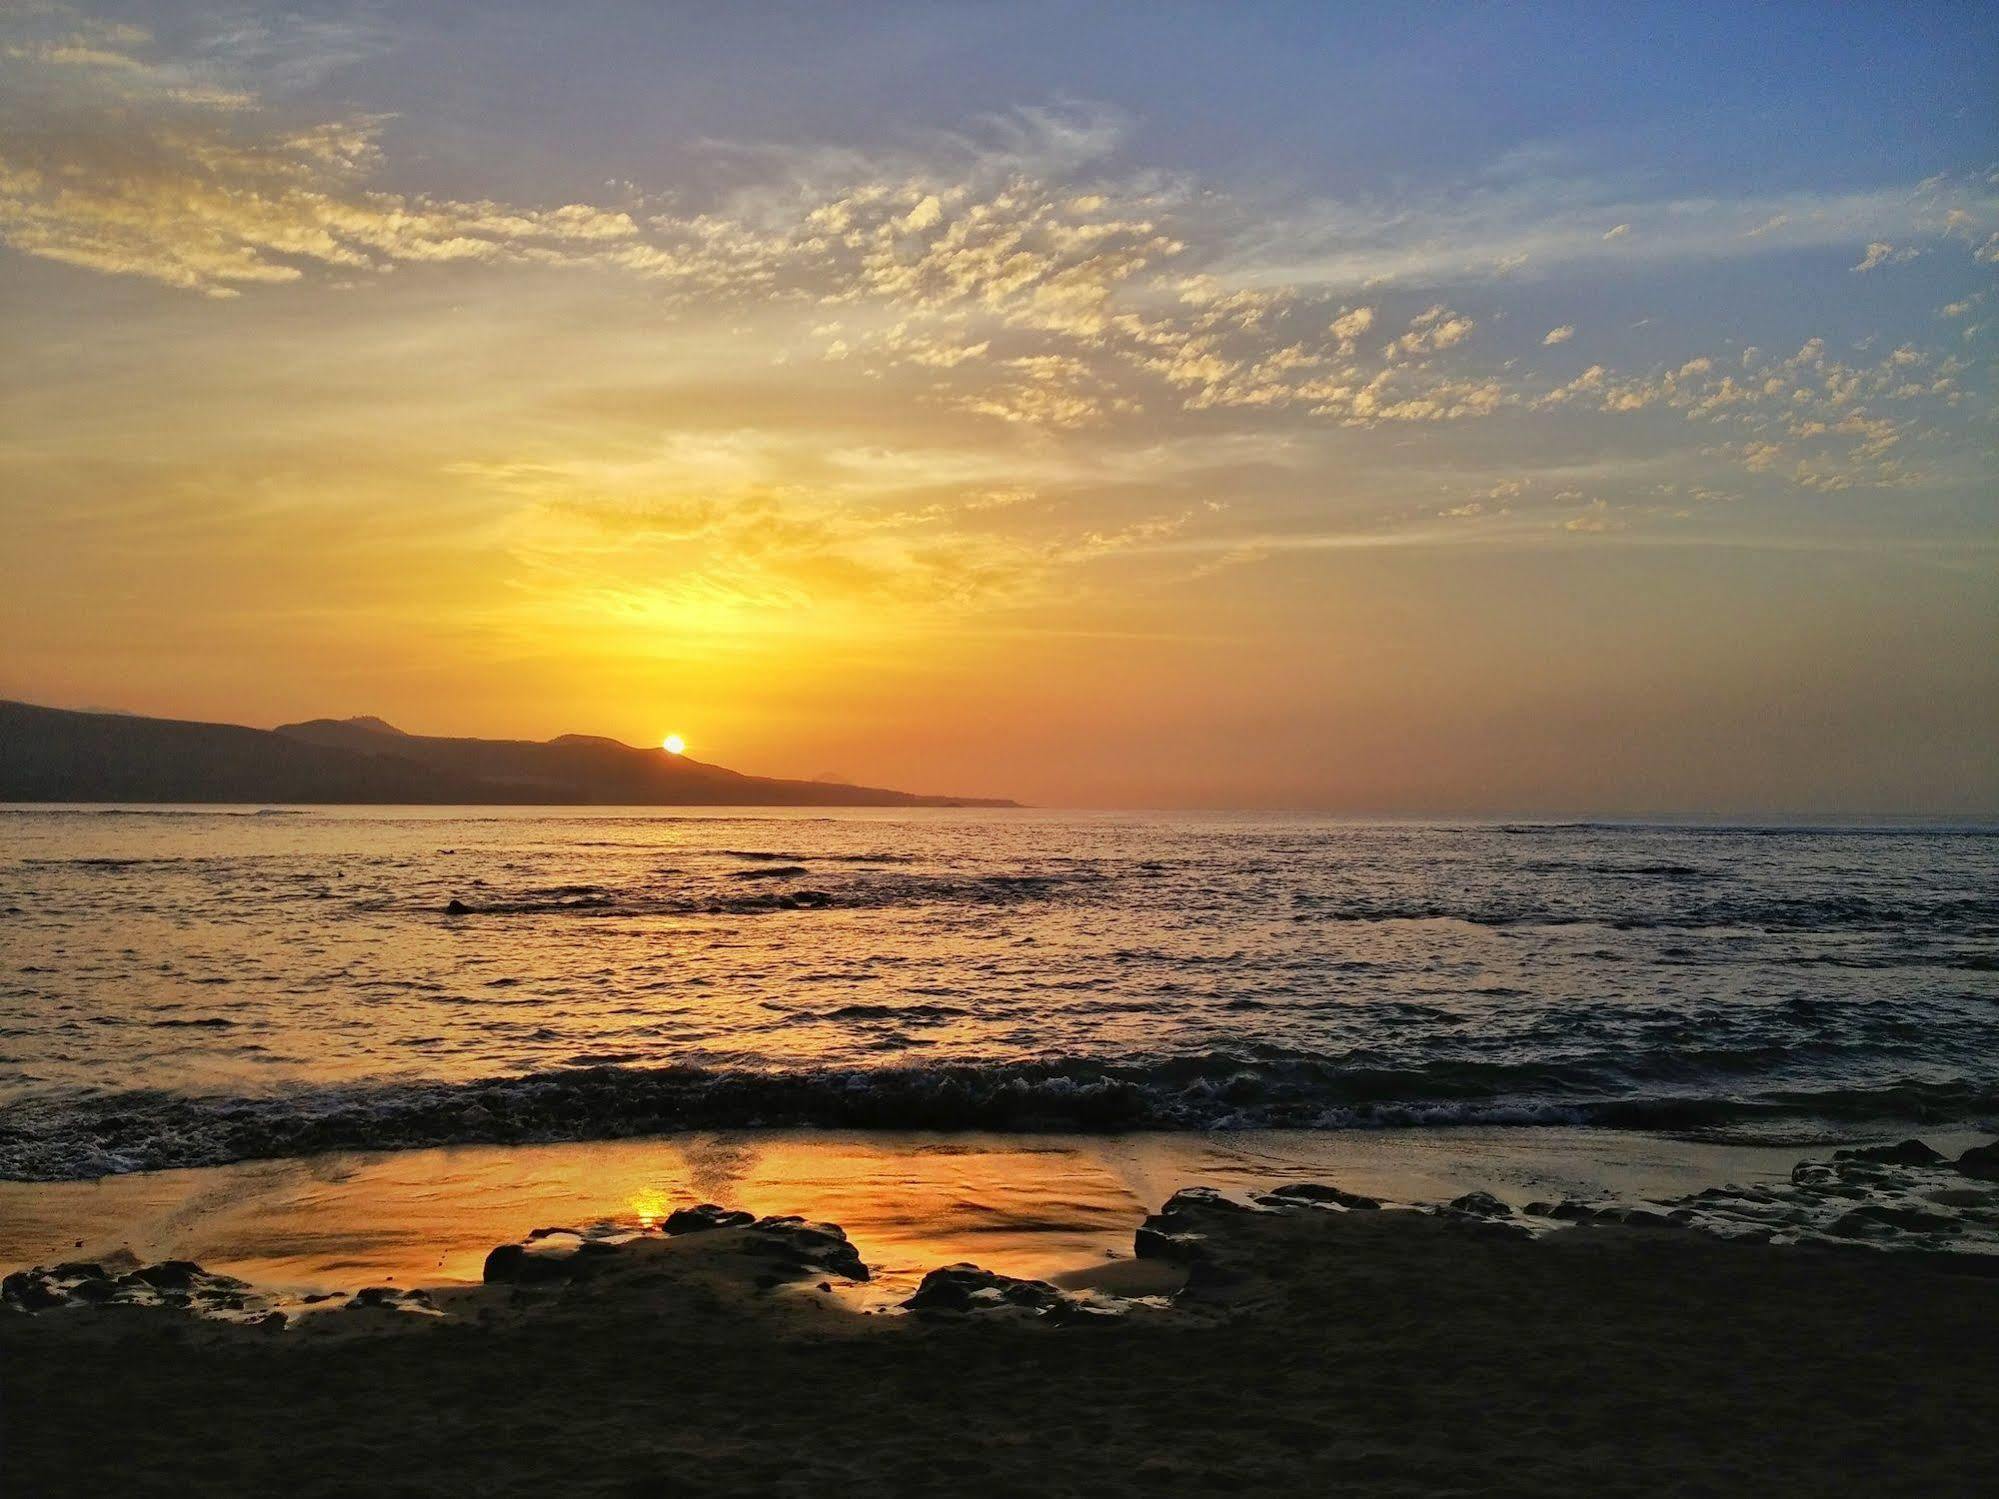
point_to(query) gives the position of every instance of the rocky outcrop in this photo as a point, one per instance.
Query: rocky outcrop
(1479, 1205)
(1980, 1162)
(785, 1249)
(1316, 1194)
(175, 1285)
(705, 1216)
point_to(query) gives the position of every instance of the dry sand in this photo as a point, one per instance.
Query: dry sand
(1339, 1352)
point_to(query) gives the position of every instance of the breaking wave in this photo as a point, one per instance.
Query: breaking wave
(43, 1140)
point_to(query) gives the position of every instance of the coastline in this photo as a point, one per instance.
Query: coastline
(1025, 1204)
(1314, 1341)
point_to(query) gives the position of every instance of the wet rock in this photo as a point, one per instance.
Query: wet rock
(1150, 1243)
(388, 1298)
(1909, 1220)
(1317, 1194)
(1480, 1205)
(457, 907)
(1981, 1161)
(1201, 1199)
(807, 1250)
(706, 1216)
(179, 1285)
(514, 1265)
(1908, 1153)
(32, 1291)
(170, 1275)
(967, 1288)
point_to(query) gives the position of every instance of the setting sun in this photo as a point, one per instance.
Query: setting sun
(673, 744)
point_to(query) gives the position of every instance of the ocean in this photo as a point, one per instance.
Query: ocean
(193, 986)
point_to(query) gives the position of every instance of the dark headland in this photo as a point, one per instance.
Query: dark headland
(55, 755)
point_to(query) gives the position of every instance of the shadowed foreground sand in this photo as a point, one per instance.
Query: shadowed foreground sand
(1326, 1351)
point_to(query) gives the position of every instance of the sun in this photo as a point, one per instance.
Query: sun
(673, 744)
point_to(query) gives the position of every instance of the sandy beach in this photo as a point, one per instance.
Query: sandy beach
(1296, 1339)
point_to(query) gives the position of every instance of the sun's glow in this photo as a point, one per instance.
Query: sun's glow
(673, 744)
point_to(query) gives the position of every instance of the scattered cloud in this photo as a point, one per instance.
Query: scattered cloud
(1880, 253)
(1559, 335)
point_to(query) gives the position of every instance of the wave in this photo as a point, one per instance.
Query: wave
(876, 891)
(1962, 915)
(67, 1139)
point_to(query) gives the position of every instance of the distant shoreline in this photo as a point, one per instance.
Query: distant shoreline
(57, 755)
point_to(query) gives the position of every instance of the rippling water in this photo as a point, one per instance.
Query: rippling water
(181, 987)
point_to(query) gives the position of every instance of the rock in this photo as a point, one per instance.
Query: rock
(1201, 1199)
(1908, 1153)
(457, 907)
(390, 1299)
(967, 1288)
(31, 1291)
(1908, 1220)
(1981, 1161)
(808, 1249)
(706, 1216)
(1151, 1243)
(513, 1265)
(171, 1275)
(1317, 1193)
(1480, 1205)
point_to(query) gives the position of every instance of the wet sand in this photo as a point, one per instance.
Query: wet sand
(1311, 1350)
(1031, 1205)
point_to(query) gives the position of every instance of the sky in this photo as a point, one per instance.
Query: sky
(1444, 410)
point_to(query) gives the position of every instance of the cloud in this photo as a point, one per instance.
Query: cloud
(1350, 325)
(1429, 331)
(1880, 253)
(1559, 335)
(1617, 232)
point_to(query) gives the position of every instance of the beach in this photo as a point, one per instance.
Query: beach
(443, 1151)
(1262, 1341)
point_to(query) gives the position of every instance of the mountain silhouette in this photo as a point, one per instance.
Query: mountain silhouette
(56, 755)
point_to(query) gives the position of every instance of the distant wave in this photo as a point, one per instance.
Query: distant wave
(48, 1140)
(61, 811)
(794, 888)
(1962, 915)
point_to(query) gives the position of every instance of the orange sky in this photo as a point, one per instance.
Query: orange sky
(996, 452)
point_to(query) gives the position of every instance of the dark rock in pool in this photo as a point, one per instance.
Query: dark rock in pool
(1908, 1153)
(706, 1216)
(967, 1288)
(1318, 1194)
(1981, 1161)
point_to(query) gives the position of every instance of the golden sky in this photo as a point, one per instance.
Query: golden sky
(895, 402)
